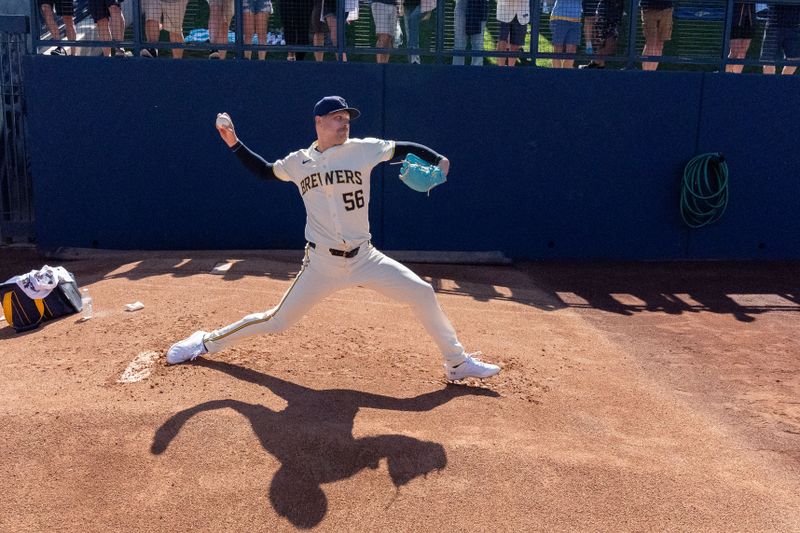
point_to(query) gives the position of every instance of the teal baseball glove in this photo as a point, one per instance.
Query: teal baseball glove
(420, 175)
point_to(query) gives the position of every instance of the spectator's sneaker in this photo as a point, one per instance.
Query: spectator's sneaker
(214, 55)
(592, 64)
(58, 51)
(121, 52)
(471, 367)
(188, 349)
(149, 52)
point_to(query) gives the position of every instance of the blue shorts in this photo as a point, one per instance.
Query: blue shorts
(513, 32)
(780, 43)
(565, 32)
(257, 6)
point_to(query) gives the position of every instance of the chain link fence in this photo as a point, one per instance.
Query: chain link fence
(666, 34)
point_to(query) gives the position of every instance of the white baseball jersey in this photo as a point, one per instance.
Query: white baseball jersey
(335, 186)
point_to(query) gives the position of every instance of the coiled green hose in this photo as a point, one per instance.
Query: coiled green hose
(704, 193)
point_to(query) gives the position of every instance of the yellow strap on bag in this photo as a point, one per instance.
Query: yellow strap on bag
(8, 310)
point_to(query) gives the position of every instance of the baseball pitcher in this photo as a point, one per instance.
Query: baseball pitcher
(333, 178)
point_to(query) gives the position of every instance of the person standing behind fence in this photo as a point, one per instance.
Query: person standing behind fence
(657, 27)
(412, 14)
(110, 23)
(606, 31)
(172, 12)
(65, 10)
(296, 15)
(565, 26)
(323, 18)
(743, 29)
(384, 15)
(514, 16)
(589, 21)
(781, 37)
(255, 20)
(469, 21)
(220, 13)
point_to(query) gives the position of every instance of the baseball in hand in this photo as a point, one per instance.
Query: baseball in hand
(224, 121)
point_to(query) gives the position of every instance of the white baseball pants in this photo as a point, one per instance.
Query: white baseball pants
(322, 274)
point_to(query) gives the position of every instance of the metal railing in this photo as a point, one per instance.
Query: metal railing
(16, 196)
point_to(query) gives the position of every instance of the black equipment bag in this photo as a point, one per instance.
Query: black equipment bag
(24, 313)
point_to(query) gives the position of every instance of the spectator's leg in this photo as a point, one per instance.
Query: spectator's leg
(152, 30)
(738, 51)
(459, 30)
(104, 34)
(660, 31)
(317, 29)
(262, 23)
(174, 13)
(512, 61)
(558, 49)
(214, 21)
(476, 43)
(516, 39)
(384, 17)
(50, 21)
(384, 41)
(652, 48)
(249, 28)
(608, 48)
(219, 19)
(176, 37)
(334, 29)
(588, 31)
(318, 39)
(227, 15)
(69, 28)
(650, 29)
(411, 20)
(117, 23)
(503, 39)
(571, 49)
(502, 46)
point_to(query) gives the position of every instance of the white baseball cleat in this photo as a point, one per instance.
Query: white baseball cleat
(188, 349)
(471, 367)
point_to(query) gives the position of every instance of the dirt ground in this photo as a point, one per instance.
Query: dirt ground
(651, 396)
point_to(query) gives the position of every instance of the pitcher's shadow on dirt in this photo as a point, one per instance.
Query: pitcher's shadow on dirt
(313, 438)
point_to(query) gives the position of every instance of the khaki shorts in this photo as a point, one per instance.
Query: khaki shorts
(657, 24)
(385, 17)
(172, 11)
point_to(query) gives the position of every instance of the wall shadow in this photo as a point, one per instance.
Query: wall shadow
(740, 289)
(313, 438)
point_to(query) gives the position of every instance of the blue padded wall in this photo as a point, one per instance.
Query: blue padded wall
(546, 163)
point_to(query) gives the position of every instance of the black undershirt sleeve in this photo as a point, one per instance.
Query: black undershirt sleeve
(403, 148)
(254, 162)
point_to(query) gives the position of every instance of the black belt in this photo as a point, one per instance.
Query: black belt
(339, 253)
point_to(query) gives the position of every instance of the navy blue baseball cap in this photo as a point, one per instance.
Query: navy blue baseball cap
(332, 104)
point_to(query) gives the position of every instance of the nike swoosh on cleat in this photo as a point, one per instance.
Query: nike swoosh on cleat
(306, 161)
